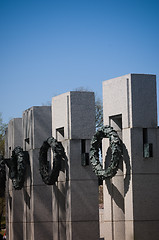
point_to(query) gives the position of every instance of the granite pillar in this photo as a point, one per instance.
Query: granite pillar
(75, 201)
(14, 198)
(37, 218)
(131, 198)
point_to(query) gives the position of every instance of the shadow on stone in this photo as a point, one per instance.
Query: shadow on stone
(112, 189)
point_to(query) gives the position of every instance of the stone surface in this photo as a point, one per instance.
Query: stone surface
(118, 198)
(145, 197)
(37, 195)
(85, 230)
(106, 231)
(43, 230)
(84, 173)
(28, 205)
(146, 230)
(115, 103)
(130, 106)
(84, 206)
(13, 198)
(75, 112)
(36, 126)
(17, 230)
(14, 135)
(137, 104)
(73, 123)
(55, 204)
(30, 209)
(119, 230)
(33, 176)
(141, 164)
(42, 203)
(144, 100)
(6, 155)
(17, 201)
(129, 230)
(107, 189)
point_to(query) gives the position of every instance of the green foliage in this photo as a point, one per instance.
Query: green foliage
(2, 135)
(2, 212)
(3, 127)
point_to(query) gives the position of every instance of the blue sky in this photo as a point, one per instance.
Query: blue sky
(48, 47)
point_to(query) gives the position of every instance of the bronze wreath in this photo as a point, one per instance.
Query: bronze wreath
(17, 168)
(49, 176)
(2, 176)
(116, 149)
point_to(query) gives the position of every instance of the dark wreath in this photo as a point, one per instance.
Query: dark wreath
(50, 176)
(116, 149)
(2, 176)
(17, 168)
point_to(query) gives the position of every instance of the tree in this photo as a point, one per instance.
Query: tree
(2, 212)
(2, 168)
(2, 151)
(99, 113)
(3, 127)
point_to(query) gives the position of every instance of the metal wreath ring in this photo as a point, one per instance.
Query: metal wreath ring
(116, 149)
(17, 168)
(49, 177)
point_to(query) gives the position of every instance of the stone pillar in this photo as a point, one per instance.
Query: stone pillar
(37, 196)
(14, 198)
(75, 196)
(131, 198)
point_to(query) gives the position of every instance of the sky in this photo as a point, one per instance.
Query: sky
(49, 47)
